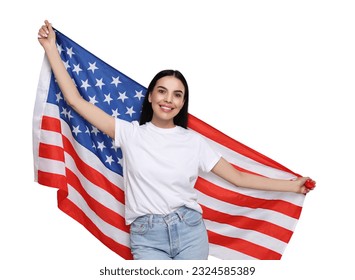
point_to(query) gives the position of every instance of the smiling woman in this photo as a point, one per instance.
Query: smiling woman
(169, 94)
(167, 99)
(161, 162)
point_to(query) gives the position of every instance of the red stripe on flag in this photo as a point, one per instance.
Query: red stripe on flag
(92, 174)
(52, 180)
(51, 152)
(243, 246)
(102, 211)
(60, 181)
(76, 213)
(243, 222)
(52, 124)
(224, 140)
(57, 153)
(239, 199)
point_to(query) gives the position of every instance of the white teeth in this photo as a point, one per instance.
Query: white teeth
(166, 108)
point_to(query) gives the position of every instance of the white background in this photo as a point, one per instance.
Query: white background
(275, 75)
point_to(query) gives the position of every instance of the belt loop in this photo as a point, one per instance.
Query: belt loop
(180, 215)
(150, 221)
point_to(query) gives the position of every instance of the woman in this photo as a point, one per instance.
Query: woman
(161, 164)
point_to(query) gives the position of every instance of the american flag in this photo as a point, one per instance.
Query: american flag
(84, 165)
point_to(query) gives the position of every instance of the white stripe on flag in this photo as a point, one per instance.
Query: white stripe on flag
(228, 254)
(96, 192)
(293, 198)
(116, 234)
(259, 214)
(248, 235)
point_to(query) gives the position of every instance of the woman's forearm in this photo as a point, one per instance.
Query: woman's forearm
(63, 79)
(263, 183)
(226, 171)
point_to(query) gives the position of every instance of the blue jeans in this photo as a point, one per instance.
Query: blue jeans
(181, 235)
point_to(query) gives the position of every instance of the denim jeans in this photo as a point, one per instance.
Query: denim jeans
(180, 235)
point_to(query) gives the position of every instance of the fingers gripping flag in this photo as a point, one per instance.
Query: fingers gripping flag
(84, 165)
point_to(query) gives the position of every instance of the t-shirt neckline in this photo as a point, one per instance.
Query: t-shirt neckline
(162, 130)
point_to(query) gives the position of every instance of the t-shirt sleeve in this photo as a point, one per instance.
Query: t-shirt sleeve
(208, 156)
(123, 131)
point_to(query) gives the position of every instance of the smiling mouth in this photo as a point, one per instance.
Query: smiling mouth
(165, 108)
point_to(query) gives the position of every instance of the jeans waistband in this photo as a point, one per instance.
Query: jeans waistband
(177, 215)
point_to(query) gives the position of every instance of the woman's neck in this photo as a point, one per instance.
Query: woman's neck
(163, 123)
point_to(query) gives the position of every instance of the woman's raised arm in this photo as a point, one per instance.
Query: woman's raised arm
(93, 114)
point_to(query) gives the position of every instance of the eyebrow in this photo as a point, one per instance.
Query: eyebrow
(167, 89)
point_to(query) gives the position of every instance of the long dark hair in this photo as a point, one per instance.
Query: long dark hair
(147, 110)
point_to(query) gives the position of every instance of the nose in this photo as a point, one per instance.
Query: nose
(169, 97)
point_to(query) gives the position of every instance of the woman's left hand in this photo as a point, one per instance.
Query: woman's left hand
(304, 185)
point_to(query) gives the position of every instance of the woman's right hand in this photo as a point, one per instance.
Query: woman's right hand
(92, 113)
(46, 35)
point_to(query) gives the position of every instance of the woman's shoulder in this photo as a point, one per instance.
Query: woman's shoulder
(127, 126)
(126, 123)
(192, 134)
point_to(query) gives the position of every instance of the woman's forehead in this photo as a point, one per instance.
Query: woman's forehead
(170, 83)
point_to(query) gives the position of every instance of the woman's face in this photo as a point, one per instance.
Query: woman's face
(167, 99)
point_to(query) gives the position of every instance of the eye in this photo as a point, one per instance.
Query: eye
(161, 91)
(178, 94)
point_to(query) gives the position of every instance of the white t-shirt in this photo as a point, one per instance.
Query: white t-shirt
(160, 167)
